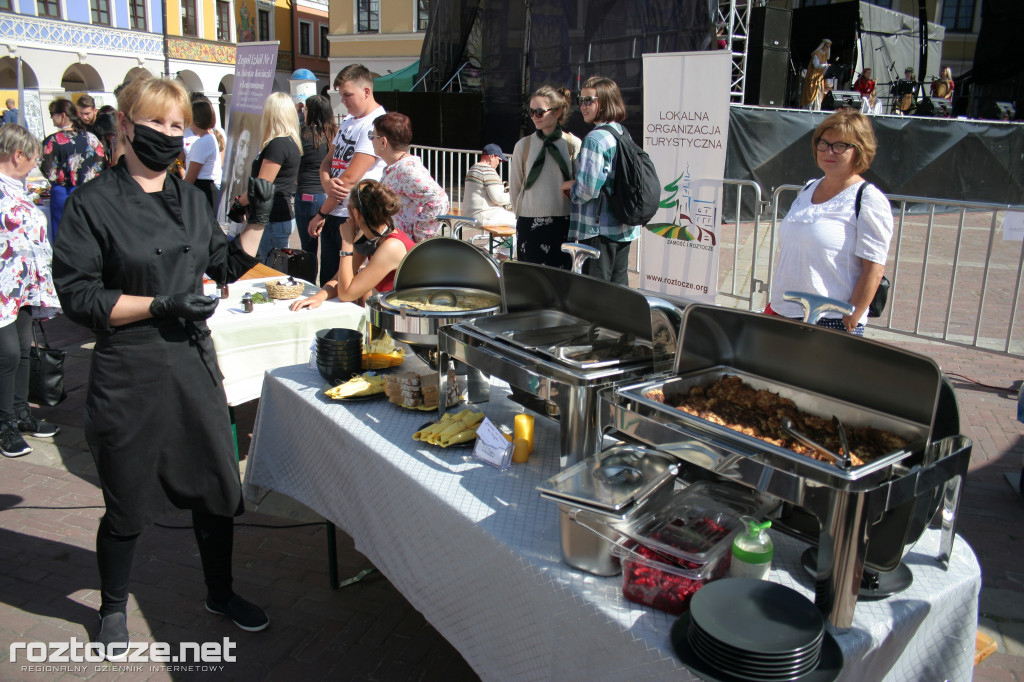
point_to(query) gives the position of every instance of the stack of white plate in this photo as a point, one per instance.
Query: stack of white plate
(754, 630)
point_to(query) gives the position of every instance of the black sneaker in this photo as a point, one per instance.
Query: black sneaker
(39, 428)
(114, 636)
(11, 442)
(242, 613)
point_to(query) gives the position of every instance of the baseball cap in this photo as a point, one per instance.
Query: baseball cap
(495, 150)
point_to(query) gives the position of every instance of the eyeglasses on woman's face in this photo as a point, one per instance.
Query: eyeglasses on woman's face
(539, 113)
(586, 101)
(835, 147)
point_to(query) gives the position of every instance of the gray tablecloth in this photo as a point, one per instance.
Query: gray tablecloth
(477, 551)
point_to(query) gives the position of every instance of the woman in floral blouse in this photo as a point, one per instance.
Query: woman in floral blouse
(71, 157)
(422, 198)
(27, 287)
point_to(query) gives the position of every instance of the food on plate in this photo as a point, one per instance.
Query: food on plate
(451, 429)
(410, 389)
(463, 302)
(358, 386)
(258, 297)
(759, 412)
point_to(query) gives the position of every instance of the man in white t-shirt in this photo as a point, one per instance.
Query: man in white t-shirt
(349, 160)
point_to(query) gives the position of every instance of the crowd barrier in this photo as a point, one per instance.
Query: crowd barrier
(953, 276)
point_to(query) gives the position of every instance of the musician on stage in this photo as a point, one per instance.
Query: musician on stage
(943, 87)
(814, 82)
(864, 84)
(906, 93)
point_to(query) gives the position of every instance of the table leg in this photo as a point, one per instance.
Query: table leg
(332, 555)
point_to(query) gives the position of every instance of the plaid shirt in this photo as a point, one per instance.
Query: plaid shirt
(594, 169)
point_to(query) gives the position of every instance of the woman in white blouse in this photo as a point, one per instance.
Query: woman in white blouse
(835, 239)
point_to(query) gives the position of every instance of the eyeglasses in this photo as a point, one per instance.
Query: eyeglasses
(835, 147)
(586, 101)
(373, 136)
(537, 113)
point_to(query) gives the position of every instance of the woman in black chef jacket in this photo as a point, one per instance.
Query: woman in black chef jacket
(134, 245)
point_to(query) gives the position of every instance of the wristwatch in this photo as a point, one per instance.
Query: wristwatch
(342, 254)
(321, 215)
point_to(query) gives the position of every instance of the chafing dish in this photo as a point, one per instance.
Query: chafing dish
(439, 268)
(560, 337)
(842, 510)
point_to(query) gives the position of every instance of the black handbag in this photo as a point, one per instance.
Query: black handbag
(880, 299)
(294, 262)
(46, 371)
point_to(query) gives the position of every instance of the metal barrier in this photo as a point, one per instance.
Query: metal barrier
(950, 281)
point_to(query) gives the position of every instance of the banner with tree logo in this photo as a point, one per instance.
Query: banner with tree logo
(686, 125)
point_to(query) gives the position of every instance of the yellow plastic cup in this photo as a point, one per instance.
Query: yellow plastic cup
(524, 429)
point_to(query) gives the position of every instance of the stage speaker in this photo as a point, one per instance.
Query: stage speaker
(767, 74)
(837, 99)
(999, 111)
(934, 106)
(770, 27)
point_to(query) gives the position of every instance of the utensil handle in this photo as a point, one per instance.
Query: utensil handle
(579, 253)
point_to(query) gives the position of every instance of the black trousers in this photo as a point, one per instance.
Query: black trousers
(330, 247)
(613, 265)
(15, 341)
(114, 554)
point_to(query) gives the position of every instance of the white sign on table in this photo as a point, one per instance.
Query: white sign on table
(491, 446)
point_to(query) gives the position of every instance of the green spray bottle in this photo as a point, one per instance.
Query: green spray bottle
(752, 550)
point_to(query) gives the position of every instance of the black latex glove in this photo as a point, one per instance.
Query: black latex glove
(189, 306)
(236, 213)
(261, 198)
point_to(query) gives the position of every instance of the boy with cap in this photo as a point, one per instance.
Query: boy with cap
(486, 197)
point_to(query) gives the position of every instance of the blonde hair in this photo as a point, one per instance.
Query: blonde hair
(556, 97)
(147, 96)
(14, 138)
(856, 129)
(279, 120)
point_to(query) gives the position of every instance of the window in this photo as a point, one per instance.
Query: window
(958, 15)
(188, 19)
(223, 21)
(264, 24)
(422, 14)
(368, 19)
(6, 5)
(305, 38)
(100, 12)
(137, 14)
(48, 8)
(325, 44)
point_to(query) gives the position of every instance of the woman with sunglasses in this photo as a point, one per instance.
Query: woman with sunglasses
(590, 221)
(541, 162)
(369, 238)
(835, 239)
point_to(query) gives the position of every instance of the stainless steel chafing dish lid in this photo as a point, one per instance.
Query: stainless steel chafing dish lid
(525, 286)
(612, 479)
(832, 363)
(449, 263)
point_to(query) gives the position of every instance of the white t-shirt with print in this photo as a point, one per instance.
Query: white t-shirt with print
(354, 137)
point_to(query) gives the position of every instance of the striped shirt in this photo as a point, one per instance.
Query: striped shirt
(595, 169)
(484, 190)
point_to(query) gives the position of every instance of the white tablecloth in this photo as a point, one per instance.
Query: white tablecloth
(248, 344)
(477, 551)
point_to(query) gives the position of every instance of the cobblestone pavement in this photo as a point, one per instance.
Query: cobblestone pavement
(50, 504)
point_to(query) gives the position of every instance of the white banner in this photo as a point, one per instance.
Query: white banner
(686, 125)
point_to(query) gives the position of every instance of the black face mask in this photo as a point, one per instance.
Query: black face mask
(155, 150)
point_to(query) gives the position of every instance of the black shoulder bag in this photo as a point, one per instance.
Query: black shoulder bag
(882, 292)
(46, 370)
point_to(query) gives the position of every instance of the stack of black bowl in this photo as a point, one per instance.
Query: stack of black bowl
(339, 354)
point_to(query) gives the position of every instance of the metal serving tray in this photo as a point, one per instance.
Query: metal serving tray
(728, 441)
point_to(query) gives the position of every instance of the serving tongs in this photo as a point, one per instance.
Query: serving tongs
(842, 459)
(616, 350)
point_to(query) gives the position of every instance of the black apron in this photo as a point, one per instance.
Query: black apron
(157, 419)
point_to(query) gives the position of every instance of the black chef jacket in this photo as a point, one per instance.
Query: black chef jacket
(157, 419)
